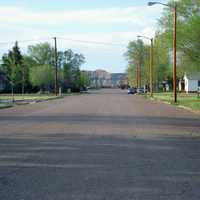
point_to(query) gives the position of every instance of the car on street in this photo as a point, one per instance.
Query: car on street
(140, 91)
(83, 89)
(131, 90)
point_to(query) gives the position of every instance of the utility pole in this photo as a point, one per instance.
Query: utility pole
(151, 68)
(140, 75)
(174, 48)
(56, 67)
(137, 75)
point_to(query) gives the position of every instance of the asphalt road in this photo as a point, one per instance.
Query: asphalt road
(105, 145)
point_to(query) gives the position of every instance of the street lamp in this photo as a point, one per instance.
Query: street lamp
(154, 3)
(174, 7)
(151, 63)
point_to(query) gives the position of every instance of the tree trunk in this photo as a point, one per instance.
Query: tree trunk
(12, 90)
(23, 81)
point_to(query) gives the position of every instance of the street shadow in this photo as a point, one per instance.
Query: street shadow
(111, 119)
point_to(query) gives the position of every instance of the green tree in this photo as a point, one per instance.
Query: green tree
(137, 58)
(42, 76)
(70, 62)
(42, 54)
(84, 79)
(188, 40)
(162, 68)
(12, 65)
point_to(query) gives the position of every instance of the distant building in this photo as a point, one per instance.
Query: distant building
(99, 78)
(103, 79)
(190, 83)
(119, 79)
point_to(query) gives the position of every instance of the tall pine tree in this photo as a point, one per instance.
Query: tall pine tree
(14, 68)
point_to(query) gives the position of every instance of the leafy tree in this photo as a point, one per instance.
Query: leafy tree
(42, 76)
(37, 67)
(12, 65)
(70, 62)
(162, 67)
(42, 54)
(188, 42)
(28, 64)
(136, 56)
(84, 79)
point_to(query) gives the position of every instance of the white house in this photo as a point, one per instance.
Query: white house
(192, 82)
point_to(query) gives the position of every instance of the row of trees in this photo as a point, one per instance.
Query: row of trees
(188, 46)
(35, 70)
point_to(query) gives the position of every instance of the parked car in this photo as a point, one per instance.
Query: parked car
(83, 89)
(140, 90)
(131, 90)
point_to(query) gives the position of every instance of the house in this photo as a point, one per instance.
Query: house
(190, 83)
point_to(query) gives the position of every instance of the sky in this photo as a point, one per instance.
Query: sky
(99, 29)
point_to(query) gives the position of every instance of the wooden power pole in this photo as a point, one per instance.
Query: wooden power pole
(137, 76)
(151, 68)
(56, 67)
(174, 49)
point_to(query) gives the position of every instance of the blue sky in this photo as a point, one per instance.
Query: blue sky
(113, 21)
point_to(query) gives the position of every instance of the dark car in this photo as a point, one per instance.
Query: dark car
(83, 89)
(131, 90)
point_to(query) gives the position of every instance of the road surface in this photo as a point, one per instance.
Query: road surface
(105, 145)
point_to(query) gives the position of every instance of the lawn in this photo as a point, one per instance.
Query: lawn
(187, 100)
(27, 97)
(6, 99)
(5, 105)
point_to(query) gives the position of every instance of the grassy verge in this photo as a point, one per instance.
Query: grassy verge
(4, 105)
(6, 100)
(187, 100)
(18, 97)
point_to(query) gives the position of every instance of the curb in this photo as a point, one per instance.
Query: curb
(6, 106)
(27, 102)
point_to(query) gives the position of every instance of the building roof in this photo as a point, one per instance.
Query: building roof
(193, 76)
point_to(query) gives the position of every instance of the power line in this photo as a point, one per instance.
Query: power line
(24, 41)
(67, 39)
(91, 42)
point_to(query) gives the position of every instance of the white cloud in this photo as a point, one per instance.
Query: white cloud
(18, 23)
(139, 15)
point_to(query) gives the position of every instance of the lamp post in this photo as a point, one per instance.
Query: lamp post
(151, 64)
(174, 7)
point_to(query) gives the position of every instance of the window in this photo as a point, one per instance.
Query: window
(198, 83)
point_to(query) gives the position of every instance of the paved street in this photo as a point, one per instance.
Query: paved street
(105, 145)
